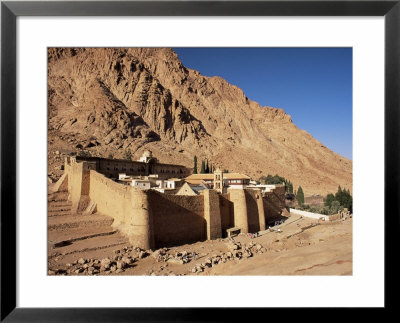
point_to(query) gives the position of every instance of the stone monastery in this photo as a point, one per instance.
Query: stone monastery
(209, 206)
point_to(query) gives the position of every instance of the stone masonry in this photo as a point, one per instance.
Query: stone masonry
(152, 220)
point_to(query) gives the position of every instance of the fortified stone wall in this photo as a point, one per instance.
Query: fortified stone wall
(274, 203)
(78, 184)
(212, 214)
(226, 209)
(111, 199)
(248, 210)
(176, 219)
(252, 210)
(151, 219)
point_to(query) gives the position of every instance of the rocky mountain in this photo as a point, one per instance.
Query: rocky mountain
(109, 100)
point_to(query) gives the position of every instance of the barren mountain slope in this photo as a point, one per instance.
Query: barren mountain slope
(109, 100)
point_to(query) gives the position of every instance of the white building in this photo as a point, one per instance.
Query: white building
(122, 176)
(264, 187)
(141, 183)
(229, 180)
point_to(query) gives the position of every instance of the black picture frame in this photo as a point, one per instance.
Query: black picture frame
(10, 10)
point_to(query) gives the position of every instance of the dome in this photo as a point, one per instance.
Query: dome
(147, 153)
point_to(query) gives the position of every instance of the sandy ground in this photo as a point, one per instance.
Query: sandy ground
(83, 245)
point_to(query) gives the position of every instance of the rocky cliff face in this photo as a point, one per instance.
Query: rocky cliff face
(109, 100)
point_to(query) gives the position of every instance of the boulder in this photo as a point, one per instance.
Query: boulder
(106, 263)
(142, 254)
(120, 265)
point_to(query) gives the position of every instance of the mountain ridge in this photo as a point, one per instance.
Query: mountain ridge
(108, 100)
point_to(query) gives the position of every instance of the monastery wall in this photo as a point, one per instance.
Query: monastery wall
(240, 217)
(252, 210)
(248, 209)
(212, 214)
(127, 205)
(274, 203)
(77, 185)
(176, 219)
(152, 220)
(226, 210)
(111, 198)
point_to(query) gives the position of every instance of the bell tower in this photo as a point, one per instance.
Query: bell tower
(218, 180)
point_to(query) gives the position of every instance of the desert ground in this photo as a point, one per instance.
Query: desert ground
(89, 245)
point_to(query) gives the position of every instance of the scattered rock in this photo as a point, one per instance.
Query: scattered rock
(106, 262)
(143, 254)
(127, 260)
(120, 264)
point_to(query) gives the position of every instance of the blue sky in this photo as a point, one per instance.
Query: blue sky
(313, 85)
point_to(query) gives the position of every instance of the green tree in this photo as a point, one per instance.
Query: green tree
(329, 199)
(300, 196)
(335, 207)
(203, 167)
(288, 186)
(344, 198)
(195, 164)
(276, 179)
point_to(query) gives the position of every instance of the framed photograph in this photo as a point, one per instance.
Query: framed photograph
(155, 167)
